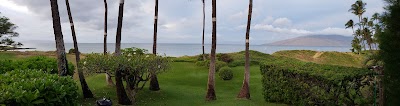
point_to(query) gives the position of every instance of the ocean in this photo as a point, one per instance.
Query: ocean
(176, 50)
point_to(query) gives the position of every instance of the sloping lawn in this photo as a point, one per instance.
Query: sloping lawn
(185, 84)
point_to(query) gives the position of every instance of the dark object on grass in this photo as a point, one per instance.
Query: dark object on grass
(104, 102)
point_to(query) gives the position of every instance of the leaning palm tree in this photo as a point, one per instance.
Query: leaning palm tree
(61, 56)
(245, 91)
(204, 25)
(108, 77)
(211, 72)
(350, 24)
(121, 93)
(154, 86)
(85, 89)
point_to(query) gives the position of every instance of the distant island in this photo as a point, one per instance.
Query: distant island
(315, 40)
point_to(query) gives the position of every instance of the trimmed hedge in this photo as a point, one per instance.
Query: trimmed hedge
(218, 64)
(301, 83)
(38, 62)
(225, 73)
(35, 87)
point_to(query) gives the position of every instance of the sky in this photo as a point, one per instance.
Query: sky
(180, 21)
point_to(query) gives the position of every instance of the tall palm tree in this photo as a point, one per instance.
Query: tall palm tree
(358, 8)
(61, 56)
(108, 77)
(245, 91)
(154, 86)
(204, 25)
(211, 72)
(85, 89)
(121, 93)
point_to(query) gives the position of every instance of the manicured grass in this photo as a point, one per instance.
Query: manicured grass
(185, 84)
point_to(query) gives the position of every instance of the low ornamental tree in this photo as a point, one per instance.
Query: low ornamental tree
(135, 65)
(7, 33)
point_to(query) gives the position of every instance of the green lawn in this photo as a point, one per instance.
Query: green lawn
(185, 84)
(6, 56)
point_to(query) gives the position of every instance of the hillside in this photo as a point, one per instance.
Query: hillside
(333, 58)
(315, 40)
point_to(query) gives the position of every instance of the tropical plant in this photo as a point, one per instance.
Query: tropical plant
(61, 55)
(245, 91)
(37, 88)
(85, 88)
(211, 74)
(7, 33)
(136, 68)
(390, 51)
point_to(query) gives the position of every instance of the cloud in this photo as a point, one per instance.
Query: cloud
(281, 22)
(271, 28)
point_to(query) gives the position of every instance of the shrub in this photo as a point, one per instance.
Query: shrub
(225, 73)
(241, 63)
(35, 87)
(224, 57)
(218, 64)
(38, 62)
(71, 51)
(301, 83)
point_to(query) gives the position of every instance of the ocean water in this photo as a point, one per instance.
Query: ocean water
(175, 50)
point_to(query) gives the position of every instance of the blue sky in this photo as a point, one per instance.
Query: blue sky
(180, 21)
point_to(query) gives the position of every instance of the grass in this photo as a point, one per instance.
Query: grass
(6, 56)
(332, 58)
(185, 83)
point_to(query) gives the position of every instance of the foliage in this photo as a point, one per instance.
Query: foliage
(224, 57)
(241, 63)
(38, 62)
(71, 51)
(7, 33)
(136, 66)
(301, 83)
(225, 73)
(390, 52)
(35, 87)
(218, 64)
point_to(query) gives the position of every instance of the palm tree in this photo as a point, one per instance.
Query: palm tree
(204, 25)
(85, 89)
(121, 93)
(108, 77)
(61, 56)
(245, 91)
(154, 86)
(358, 8)
(350, 24)
(211, 72)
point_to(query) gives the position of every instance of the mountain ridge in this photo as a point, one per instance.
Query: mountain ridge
(315, 40)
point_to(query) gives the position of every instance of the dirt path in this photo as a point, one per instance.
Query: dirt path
(317, 55)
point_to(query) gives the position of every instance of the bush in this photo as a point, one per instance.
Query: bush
(224, 57)
(38, 62)
(71, 51)
(225, 73)
(218, 64)
(35, 87)
(301, 83)
(241, 63)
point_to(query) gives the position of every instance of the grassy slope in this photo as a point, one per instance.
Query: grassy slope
(185, 84)
(333, 58)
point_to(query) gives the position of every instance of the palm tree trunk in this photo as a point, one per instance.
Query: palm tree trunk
(154, 86)
(61, 56)
(204, 25)
(211, 72)
(85, 88)
(245, 91)
(121, 93)
(108, 77)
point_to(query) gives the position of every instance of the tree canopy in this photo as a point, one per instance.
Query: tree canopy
(7, 32)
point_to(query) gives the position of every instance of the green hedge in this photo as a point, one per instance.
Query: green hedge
(37, 62)
(301, 83)
(218, 64)
(34, 87)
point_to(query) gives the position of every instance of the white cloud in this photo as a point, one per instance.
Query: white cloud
(282, 22)
(271, 28)
(335, 31)
(11, 5)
